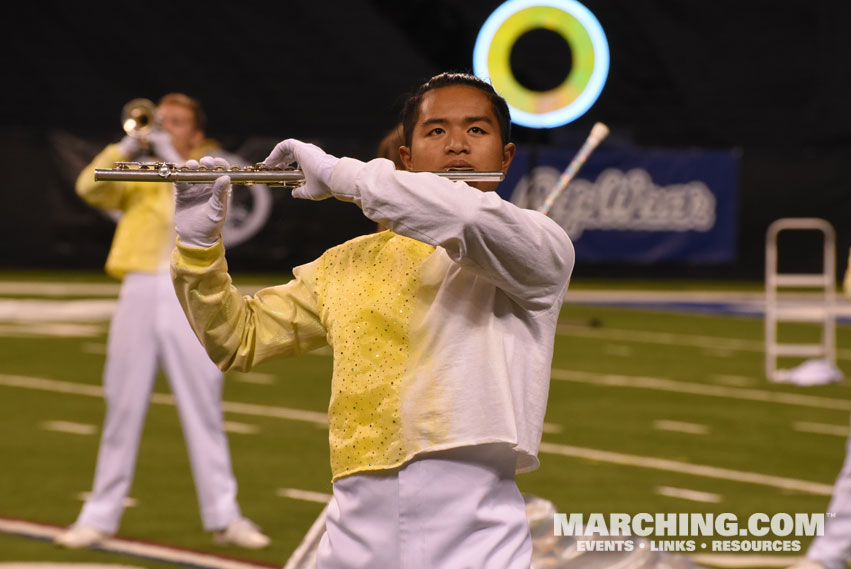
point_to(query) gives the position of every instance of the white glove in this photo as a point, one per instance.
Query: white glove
(162, 148)
(313, 161)
(129, 147)
(200, 209)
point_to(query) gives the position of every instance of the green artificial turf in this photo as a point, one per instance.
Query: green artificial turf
(42, 472)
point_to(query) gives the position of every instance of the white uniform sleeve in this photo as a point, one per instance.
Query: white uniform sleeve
(522, 252)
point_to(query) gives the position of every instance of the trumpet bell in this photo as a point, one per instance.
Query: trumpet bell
(138, 118)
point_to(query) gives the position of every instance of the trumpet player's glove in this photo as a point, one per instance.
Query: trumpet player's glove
(129, 147)
(162, 147)
(200, 209)
(313, 161)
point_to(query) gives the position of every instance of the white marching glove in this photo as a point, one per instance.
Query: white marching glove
(200, 209)
(129, 147)
(162, 148)
(313, 161)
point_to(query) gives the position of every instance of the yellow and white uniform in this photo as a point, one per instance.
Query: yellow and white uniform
(149, 332)
(442, 328)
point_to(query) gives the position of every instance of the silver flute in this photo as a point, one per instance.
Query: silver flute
(246, 176)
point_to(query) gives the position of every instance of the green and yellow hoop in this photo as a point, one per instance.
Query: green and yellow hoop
(588, 46)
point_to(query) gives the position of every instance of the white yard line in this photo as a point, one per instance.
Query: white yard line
(240, 428)
(688, 468)
(665, 338)
(306, 495)
(255, 377)
(21, 288)
(42, 288)
(670, 339)
(139, 549)
(657, 296)
(691, 495)
(733, 303)
(163, 399)
(69, 427)
(315, 417)
(680, 427)
(30, 310)
(821, 428)
(674, 386)
(52, 385)
(50, 330)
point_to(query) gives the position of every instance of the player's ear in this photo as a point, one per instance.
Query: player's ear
(508, 152)
(405, 155)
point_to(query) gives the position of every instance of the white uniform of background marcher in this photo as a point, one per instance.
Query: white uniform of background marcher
(833, 549)
(149, 332)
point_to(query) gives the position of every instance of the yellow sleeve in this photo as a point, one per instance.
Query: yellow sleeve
(240, 332)
(102, 195)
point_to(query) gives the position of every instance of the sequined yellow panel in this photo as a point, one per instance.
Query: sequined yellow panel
(367, 290)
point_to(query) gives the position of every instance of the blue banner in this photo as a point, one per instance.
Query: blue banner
(636, 206)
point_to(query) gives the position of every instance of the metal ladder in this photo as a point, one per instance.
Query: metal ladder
(778, 309)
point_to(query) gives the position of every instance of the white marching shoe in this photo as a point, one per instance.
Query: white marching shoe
(241, 532)
(80, 536)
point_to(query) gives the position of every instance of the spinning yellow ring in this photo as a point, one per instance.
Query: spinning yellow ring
(589, 50)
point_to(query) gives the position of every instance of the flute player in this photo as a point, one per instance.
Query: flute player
(442, 330)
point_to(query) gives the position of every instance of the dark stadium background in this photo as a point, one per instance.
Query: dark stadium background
(767, 79)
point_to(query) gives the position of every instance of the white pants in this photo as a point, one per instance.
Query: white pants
(834, 548)
(149, 331)
(457, 509)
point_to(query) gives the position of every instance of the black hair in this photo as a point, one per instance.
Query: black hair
(411, 108)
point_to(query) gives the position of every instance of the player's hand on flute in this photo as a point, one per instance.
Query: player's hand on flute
(313, 161)
(200, 209)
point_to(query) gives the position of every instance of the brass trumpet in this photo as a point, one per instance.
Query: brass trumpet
(138, 119)
(247, 176)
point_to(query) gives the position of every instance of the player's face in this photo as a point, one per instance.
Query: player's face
(179, 122)
(457, 130)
